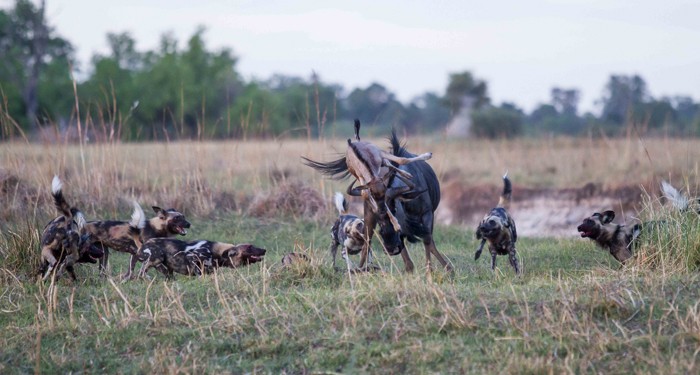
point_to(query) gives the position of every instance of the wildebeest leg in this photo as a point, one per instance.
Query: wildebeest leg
(408, 263)
(370, 222)
(513, 260)
(429, 244)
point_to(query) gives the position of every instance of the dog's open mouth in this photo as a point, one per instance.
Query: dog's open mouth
(181, 230)
(255, 258)
(585, 233)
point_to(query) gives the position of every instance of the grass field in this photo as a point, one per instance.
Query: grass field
(574, 310)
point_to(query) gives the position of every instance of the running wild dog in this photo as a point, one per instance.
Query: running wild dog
(498, 229)
(62, 243)
(619, 239)
(400, 193)
(348, 231)
(680, 200)
(115, 234)
(201, 257)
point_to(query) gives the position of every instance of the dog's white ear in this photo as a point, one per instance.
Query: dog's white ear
(607, 217)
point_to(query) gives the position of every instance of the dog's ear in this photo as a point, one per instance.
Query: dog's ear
(160, 212)
(607, 216)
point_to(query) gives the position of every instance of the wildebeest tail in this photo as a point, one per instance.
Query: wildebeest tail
(677, 199)
(137, 222)
(340, 203)
(336, 169)
(504, 200)
(59, 200)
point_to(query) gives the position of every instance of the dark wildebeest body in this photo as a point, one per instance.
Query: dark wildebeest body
(401, 193)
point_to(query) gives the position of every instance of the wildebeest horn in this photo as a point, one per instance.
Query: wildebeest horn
(392, 218)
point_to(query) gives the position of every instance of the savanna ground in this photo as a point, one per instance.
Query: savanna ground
(574, 310)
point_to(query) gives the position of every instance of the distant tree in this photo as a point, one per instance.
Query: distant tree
(621, 95)
(27, 45)
(375, 104)
(464, 84)
(565, 100)
(497, 122)
(427, 113)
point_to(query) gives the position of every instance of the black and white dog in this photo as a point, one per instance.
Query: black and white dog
(498, 229)
(348, 231)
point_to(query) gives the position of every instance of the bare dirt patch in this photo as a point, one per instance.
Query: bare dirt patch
(540, 212)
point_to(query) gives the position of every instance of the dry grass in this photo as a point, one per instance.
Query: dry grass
(574, 310)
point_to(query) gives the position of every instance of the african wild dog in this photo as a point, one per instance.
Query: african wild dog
(619, 239)
(680, 200)
(170, 255)
(498, 229)
(293, 258)
(115, 234)
(348, 231)
(62, 244)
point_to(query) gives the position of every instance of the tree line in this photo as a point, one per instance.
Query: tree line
(189, 91)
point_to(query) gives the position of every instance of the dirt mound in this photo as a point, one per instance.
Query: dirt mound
(540, 212)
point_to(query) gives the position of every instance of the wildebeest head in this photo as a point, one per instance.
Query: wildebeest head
(173, 221)
(242, 255)
(592, 226)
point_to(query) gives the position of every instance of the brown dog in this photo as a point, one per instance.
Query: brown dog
(62, 244)
(498, 229)
(115, 234)
(170, 255)
(617, 238)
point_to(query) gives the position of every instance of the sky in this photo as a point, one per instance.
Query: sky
(522, 49)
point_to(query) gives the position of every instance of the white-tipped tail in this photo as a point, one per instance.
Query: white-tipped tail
(678, 200)
(138, 218)
(80, 219)
(56, 185)
(505, 174)
(340, 203)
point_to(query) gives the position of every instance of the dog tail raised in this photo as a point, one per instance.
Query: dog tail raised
(137, 222)
(59, 200)
(504, 200)
(677, 199)
(340, 203)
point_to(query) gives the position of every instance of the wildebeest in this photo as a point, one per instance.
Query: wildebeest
(400, 191)
(498, 229)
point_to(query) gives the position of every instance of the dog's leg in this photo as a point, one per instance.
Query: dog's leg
(334, 250)
(348, 262)
(493, 260)
(513, 259)
(478, 251)
(71, 272)
(370, 222)
(103, 261)
(132, 264)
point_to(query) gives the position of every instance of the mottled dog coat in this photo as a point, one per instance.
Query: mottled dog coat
(348, 231)
(115, 234)
(618, 239)
(62, 243)
(200, 257)
(498, 229)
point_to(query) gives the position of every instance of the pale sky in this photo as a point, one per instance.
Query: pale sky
(521, 48)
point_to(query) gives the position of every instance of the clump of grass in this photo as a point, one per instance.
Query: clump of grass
(19, 253)
(670, 239)
(293, 199)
